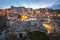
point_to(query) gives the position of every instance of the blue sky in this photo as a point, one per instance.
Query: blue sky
(28, 3)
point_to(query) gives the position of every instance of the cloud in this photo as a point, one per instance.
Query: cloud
(36, 6)
(39, 3)
(57, 2)
(29, 3)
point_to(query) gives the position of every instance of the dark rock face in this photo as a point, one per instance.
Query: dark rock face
(2, 23)
(36, 35)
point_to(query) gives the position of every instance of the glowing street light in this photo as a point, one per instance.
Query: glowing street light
(24, 17)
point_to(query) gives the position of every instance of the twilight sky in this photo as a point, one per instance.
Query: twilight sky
(28, 3)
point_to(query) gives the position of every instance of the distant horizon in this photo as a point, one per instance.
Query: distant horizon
(19, 6)
(26, 7)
